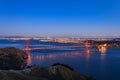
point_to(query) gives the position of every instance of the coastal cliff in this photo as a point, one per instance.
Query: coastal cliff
(12, 58)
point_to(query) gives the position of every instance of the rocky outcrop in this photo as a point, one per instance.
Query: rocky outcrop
(12, 58)
(57, 72)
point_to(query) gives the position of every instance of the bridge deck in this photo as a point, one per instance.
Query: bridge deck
(54, 47)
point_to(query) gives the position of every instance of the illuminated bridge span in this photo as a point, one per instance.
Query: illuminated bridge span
(54, 47)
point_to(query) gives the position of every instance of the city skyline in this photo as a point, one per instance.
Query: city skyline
(61, 18)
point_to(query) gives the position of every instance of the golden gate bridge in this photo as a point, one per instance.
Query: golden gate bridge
(86, 46)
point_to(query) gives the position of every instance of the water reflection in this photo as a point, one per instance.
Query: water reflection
(57, 55)
(87, 54)
(28, 59)
(87, 57)
(102, 49)
(40, 57)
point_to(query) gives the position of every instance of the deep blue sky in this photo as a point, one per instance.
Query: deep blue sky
(73, 18)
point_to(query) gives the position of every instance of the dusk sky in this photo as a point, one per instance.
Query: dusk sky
(71, 18)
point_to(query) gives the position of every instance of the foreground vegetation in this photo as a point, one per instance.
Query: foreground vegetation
(57, 72)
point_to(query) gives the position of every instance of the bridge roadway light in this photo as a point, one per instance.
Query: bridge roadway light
(27, 38)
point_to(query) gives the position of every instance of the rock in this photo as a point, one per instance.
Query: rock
(62, 64)
(12, 58)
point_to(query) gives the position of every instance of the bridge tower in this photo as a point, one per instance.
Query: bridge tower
(27, 44)
(87, 46)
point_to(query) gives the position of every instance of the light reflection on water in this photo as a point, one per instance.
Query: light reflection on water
(28, 59)
(36, 56)
(54, 56)
(78, 59)
(50, 56)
